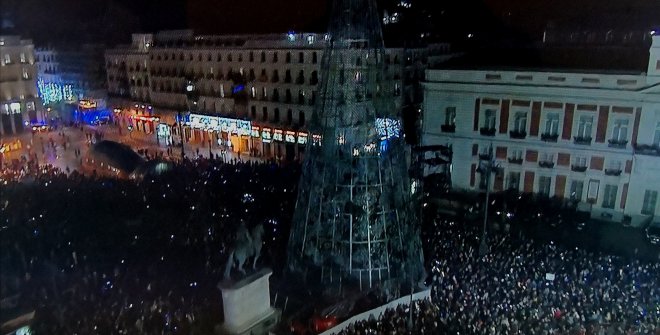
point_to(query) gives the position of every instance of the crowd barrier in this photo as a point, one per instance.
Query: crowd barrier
(376, 312)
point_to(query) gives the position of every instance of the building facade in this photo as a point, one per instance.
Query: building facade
(590, 137)
(70, 76)
(269, 80)
(20, 105)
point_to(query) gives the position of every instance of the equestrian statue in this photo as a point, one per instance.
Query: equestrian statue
(247, 245)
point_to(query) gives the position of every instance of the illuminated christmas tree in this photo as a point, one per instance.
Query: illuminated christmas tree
(353, 216)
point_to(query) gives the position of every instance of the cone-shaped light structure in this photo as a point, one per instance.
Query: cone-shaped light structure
(353, 215)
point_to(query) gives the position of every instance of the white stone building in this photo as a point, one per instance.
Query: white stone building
(19, 102)
(593, 137)
(269, 80)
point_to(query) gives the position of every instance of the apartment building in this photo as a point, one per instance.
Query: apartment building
(592, 136)
(20, 105)
(256, 92)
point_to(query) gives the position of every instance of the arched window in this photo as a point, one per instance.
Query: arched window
(287, 96)
(208, 58)
(276, 76)
(276, 115)
(301, 97)
(301, 77)
(287, 76)
(314, 79)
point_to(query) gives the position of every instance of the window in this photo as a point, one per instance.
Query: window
(656, 135)
(276, 115)
(23, 60)
(301, 118)
(610, 196)
(516, 154)
(240, 57)
(546, 157)
(577, 188)
(489, 121)
(26, 75)
(253, 112)
(288, 57)
(650, 199)
(253, 92)
(7, 59)
(520, 122)
(289, 116)
(513, 181)
(450, 116)
(620, 131)
(614, 165)
(544, 185)
(552, 124)
(275, 57)
(301, 57)
(315, 58)
(584, 126)
(580, 161)
(263, 57)
(264, 114)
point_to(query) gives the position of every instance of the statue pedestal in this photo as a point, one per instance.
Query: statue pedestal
(246, 305)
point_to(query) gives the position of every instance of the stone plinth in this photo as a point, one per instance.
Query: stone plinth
(246, 305)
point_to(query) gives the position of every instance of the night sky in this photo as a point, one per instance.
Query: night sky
(112, 21)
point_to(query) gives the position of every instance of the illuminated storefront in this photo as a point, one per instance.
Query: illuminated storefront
(234, 134)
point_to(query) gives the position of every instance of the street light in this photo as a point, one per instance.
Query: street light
(487, 166)
(192, 95)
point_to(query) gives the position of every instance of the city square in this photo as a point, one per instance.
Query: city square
(375, 174)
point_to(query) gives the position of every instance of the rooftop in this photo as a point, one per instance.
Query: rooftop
(606, 60)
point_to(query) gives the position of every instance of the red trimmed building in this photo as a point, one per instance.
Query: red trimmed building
(593, 136)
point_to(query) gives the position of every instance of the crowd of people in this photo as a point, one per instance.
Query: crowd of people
(99, 256)
(520, 286)
(398, 321)
(107, 256)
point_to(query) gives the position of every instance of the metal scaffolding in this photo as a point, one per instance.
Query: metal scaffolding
(353, 215)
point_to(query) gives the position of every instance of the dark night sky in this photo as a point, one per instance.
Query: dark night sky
(112, 21)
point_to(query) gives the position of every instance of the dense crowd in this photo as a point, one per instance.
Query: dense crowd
(398, 321)
(525, 287)
(107, 256)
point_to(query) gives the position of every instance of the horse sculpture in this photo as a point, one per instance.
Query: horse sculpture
(247, 244)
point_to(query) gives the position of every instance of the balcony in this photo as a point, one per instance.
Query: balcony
(578, 168)
(647, 149)
(485, 156)
(514, 160)
(617, 144)
(613, 172)
(487, 131)
(448, 128)
(546, 164)
(546, 137)
(518, 134)
(580, 140)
